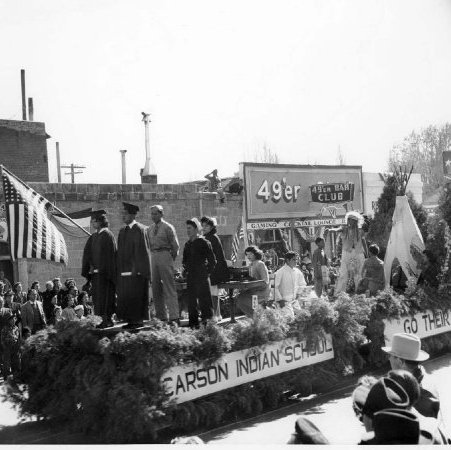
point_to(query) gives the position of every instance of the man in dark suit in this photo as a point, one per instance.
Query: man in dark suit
(198, 262)
(133, 267)
(32, 313)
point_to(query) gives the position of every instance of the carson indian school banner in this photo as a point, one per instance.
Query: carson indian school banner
(187, 382)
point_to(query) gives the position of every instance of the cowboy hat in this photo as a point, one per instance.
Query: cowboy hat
(406, 346)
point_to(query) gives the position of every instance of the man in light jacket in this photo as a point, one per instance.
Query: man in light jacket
(288, 283)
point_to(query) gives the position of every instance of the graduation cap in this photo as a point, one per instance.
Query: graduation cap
(131, 209)
(97, 214)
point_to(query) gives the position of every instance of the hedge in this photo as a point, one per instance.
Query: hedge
(110, 387)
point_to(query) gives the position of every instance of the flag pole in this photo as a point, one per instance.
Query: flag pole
(3, 168)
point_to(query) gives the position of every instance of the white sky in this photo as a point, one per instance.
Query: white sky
(222, 79)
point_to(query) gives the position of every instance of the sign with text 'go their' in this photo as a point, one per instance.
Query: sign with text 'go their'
(424, 324)
(187, 382)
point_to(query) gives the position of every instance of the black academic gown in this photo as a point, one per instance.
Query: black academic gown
(99, 267)
(133, 257)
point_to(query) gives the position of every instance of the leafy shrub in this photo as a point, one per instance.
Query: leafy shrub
(111, 386)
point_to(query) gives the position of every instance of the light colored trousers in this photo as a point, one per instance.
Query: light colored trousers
(163, 286)
(350, 267)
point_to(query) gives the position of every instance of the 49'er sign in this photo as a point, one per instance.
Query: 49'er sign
(332, 192)
(275, 192)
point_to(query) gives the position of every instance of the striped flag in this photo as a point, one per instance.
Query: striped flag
(31, 233)
(239, 235)
(73, 223)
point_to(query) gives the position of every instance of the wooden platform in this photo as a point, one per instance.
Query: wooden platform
(117, 328)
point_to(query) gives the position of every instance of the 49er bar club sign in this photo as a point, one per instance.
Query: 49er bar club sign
(310, 195)
(187, 382)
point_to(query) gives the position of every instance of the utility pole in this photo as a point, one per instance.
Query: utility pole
(72, 172)
(58, 162)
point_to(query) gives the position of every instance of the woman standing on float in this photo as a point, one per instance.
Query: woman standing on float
(220, 272)
(352, 254)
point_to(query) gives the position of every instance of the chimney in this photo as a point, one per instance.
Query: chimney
(124, 173)
(24, 105)
(148, 174)
(30, 109)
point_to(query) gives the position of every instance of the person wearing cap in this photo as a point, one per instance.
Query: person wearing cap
(220, 273)
(133, 267)
(306, 432)
(430, 432)
(164, 248)
(405, 354)
(99, 267)
(386, 417)
(198, 262)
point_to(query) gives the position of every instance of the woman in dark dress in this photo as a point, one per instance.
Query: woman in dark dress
(220, 272)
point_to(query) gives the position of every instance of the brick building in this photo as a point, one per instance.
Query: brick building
(180, 202)
(23, 149)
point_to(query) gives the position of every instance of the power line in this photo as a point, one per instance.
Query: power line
(72, 172)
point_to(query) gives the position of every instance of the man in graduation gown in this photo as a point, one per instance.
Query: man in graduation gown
(99, 268)
(133, 267)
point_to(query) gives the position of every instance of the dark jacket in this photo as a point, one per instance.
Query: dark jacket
(133, 251)
(47, 303)
(220, 272)
(393, 427)
(428, 404)
(198, 258)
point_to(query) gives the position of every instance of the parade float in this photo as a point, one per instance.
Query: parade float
(128, 387)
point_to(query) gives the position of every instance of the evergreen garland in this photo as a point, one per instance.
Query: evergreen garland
(111, 387)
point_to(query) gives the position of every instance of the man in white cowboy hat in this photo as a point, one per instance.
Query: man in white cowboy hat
(405, 353)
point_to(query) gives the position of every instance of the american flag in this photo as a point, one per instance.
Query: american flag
(239, 235)
(31, 233)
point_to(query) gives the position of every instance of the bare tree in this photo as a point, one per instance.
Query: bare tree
(424, 151)
(266, 155)
(341, 160)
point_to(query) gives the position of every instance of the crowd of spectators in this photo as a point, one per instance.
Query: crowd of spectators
(24, 313)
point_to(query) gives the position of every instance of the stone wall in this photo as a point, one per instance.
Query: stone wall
(180, 202)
